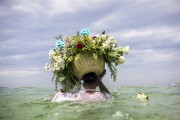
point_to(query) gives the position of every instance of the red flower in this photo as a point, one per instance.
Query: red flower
(79, 45)
(94, 37)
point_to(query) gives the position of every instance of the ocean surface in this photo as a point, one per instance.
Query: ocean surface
(27, 103)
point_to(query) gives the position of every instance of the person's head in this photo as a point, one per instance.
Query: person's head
(90, 80)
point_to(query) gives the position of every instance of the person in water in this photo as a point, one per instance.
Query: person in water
(90, 82)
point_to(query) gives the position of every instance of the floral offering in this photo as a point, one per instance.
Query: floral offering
(67, 48)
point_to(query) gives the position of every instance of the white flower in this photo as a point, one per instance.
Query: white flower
(68, 41)
(64, 50)
(46, 66)
(110, 43)
(51, 68)
(55, 58)
(142, 97)
(126, 50)
(57, 64)
(113, 43)
(59, 58)
(60, 62)
(111, 38)
(62, 79)
(104, 37)
(56, 67)
(51, 54)
(105, 45)
(121, 60)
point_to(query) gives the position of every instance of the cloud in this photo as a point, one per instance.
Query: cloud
(172, 5)
(151, 45)
(105, 22)
(139, 14)
(32, 59)
(150, 56)
(19, 72)
(167, 32)
(151, 28)
(158, 38)
(51, 7)
(26, 7)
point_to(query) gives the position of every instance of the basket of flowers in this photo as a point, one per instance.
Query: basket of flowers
(74, 56)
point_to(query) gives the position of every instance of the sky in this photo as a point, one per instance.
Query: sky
(150, 27)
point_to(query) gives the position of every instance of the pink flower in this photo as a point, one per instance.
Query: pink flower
(94, 37)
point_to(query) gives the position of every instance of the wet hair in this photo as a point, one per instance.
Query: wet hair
(90, 78)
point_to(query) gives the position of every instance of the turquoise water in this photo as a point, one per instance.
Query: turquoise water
(34, 104)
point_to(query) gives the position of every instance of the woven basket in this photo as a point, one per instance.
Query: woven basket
(84, 63)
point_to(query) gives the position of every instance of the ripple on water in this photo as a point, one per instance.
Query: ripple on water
(35, 104)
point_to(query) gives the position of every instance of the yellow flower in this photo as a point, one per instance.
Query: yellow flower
(85, 37)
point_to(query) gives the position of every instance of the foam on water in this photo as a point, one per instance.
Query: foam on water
(34, 104)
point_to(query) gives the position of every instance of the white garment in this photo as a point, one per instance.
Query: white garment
(80, 96)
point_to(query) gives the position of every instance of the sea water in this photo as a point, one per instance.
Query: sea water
(34, 104)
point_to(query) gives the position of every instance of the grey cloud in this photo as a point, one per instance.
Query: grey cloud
(30, 33)
(142, 14)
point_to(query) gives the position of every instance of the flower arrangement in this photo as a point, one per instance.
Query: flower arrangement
(67, 48)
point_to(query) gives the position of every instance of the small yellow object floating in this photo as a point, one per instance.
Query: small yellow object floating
(142, 97)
